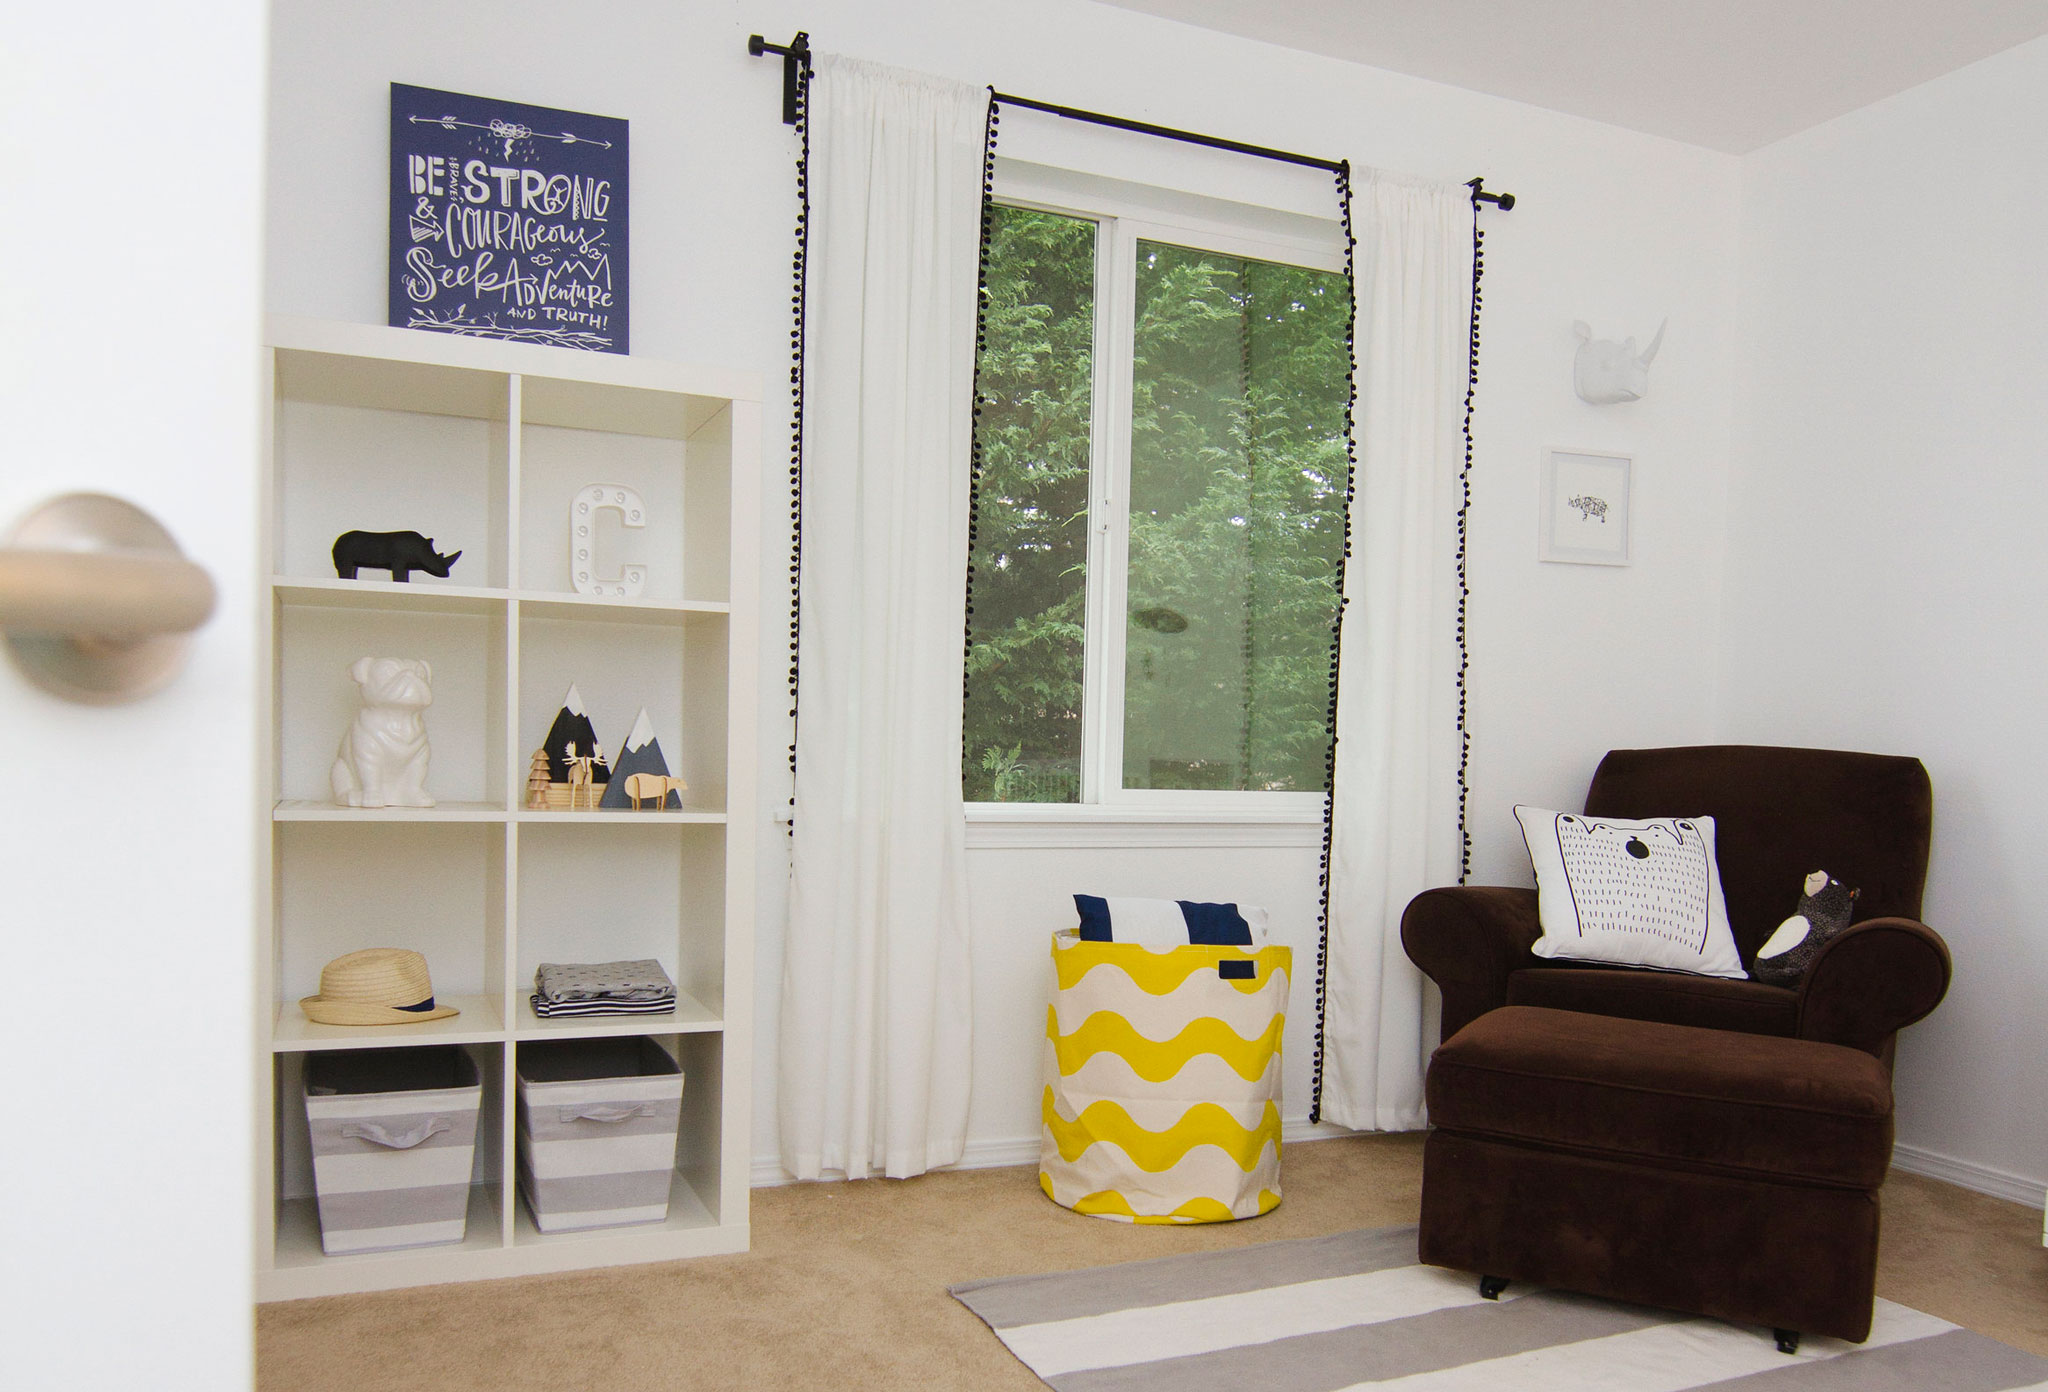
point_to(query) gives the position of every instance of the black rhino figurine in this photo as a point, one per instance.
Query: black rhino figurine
(401, 553)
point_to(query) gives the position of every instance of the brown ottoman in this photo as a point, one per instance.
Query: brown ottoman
(1703, 1170)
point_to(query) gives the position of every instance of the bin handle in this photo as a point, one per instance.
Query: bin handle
(404, 1140)
(600, 1112)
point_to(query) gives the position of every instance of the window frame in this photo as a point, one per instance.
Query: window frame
(1125, 215)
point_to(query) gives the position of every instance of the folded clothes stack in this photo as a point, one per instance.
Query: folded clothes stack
(603, 988)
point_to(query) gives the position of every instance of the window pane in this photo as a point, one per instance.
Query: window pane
(1022, 739)
(1238, 469)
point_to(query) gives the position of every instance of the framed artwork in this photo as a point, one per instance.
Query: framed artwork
(507, 221)
(1582, 511)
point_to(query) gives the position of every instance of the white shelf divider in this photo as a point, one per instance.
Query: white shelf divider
(435, 596)
(604, 816)
(309, 810)
(442, 597)
(691, 1016)
(480, 1022)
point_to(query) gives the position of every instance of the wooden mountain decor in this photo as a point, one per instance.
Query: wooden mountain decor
(572, 726)
(642, 754)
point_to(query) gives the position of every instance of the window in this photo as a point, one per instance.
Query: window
(1159, 519)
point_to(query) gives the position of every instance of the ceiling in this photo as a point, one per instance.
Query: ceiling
(1731, 75)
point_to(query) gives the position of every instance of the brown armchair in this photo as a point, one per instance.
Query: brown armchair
(1778, 814)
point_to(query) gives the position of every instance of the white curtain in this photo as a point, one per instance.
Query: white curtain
(874, 1047)
(1394, 814)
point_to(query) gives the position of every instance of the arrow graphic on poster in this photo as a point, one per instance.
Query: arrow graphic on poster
(507, 131)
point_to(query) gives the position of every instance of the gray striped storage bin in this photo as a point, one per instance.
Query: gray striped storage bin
(597, 1131)
(394, 1136)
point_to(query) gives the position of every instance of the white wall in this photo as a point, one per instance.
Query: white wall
(1614, 227)
(1886, 574)
(128, 365)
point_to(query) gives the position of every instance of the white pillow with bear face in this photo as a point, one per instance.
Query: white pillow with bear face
(1630, 893)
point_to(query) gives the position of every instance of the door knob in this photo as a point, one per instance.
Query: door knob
(97, 601)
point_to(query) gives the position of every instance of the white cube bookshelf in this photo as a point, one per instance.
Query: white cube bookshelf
(483, 446)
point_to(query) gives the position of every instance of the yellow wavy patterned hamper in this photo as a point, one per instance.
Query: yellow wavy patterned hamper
(1162, 1093)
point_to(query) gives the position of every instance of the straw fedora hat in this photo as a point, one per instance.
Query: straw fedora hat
(377, 986)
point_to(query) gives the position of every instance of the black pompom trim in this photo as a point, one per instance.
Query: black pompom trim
(1464, 580)
(988, 214)
(1315, 1104)
(799, 275)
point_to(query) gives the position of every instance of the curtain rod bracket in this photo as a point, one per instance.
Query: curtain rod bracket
(1504, 201)
(796, 65)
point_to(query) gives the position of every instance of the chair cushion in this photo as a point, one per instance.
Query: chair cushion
(1671, 997)
(1714, 1100)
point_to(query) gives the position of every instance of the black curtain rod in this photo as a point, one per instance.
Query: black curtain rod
(796, 63)
(1214, 142)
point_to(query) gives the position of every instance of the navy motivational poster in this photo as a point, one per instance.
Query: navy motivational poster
(507, 221)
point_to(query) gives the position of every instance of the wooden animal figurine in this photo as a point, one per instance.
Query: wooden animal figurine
(642, 786)
(582, 774)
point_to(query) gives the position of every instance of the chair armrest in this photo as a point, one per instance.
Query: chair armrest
(1467, 939)
(1871, 981)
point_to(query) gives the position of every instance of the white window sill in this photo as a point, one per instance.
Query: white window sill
(1091, 826)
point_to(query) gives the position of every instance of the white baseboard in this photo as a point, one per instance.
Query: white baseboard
(1968, 1174)
(1023, 1150)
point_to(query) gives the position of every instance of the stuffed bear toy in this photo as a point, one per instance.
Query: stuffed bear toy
(1824, 911)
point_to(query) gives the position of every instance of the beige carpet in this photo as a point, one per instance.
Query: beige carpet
(845, 1287)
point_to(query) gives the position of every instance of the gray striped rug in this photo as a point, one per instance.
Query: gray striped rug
(1357, 1311)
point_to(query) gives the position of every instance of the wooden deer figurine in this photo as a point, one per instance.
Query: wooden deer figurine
(582, 771)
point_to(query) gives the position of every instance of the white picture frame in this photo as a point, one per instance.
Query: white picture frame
(1582, 510)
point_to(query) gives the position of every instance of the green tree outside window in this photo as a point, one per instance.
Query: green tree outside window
(1237, 480)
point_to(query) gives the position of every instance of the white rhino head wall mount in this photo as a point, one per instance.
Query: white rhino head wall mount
(1605, 372)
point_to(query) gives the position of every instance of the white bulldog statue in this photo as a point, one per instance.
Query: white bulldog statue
(383, 757)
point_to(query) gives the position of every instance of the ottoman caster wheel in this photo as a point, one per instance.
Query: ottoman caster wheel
(1788, 1340)
(1490, 1288)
